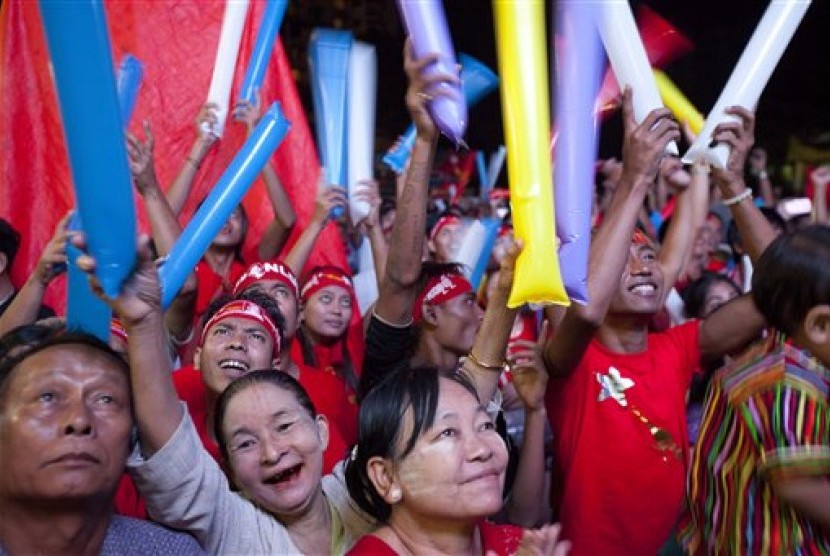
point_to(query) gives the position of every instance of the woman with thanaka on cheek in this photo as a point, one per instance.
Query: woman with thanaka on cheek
(430, 466)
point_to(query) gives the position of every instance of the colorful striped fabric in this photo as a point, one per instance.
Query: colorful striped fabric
(765, 416)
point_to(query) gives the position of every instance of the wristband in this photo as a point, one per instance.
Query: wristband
(745, 194)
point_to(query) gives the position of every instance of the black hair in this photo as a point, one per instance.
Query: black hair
(381, 424)
(694, 295)
(266, 303)
(274, 377)
(9, 241)
(792, 276)
(434, 217)
(387, 205)
(24, 341)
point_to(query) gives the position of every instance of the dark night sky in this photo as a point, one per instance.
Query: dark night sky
(795, 101)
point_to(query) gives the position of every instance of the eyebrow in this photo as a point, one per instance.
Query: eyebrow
(245, 430)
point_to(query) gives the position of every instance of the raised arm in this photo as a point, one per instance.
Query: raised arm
(403, 266)
(158, 410)
(643, 147)
(370, 227)
(756, 231)
(328, 197)
(275, 235)
(163, 223)
(821, 177)
(24, 309)
(179, 190)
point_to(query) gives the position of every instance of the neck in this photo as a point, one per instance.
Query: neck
(220, 259)
(306, 529)
(419, 535)
(80, 529)
(431, 352)
(624, 333)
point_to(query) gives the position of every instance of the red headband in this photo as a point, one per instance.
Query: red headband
(438, 290)
(242, 309)
(325, 277)
(639, 238)
(443, 222)
(267, 271)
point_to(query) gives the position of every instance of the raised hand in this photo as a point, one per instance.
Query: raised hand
(248, 113)
(328, 197)
(422, 89)
(740, 136)
(644, 144)
(530, 377)
(140, 296)
(544, 542)
(53, 260)
(370, 194)
(140, 155)
(206, 121)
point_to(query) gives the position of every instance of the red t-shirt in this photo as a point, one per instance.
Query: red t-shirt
(341, 402)
(496, 540)
(618, 493)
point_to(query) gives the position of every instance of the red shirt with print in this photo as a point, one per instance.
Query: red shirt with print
(621, 487)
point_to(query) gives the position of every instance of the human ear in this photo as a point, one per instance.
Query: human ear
(323, 430)
(382, 475)
(816, 325)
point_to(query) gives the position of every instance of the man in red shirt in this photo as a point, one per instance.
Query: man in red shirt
(616, 400)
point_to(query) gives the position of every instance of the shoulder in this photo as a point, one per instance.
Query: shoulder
(135, 536)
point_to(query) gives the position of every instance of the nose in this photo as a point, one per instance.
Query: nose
(639, 267)
(238, 341)
(271, 451)
(78, 421)
(478, 448)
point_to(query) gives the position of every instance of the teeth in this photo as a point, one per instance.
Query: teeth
(282, 475)
(233, 364)
(644, 289)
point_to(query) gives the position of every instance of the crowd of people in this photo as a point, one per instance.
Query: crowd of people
(683, 408)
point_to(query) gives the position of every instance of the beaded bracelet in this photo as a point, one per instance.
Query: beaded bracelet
(745, 194)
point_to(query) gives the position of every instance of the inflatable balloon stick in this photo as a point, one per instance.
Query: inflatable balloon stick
(677, 102)
(84, 310)
(223, 198)
(663, 44)
(578, 74)
(628, 58)
(363, 77)
(520, 41)
(79, 48)
(225, 65)
(329, 54)
(269, 28)
(128, 81)
(750, 76)
(495, 165)
(491, 232)
(426, 26)
(477, 81)
(481, 166)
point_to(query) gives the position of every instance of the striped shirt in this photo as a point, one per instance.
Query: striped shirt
(765, 417)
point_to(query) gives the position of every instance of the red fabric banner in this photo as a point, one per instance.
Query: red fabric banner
(176, 41)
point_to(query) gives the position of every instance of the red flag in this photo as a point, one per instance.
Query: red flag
(176, 42)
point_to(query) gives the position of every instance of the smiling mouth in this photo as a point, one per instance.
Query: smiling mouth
(284, 476)
(235, 366)
(645, 290)
(489, 475)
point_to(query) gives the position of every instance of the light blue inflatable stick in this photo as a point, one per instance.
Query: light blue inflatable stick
(269, 28)
(84, 310)
(128, 82)
(219, 204)
(79, 47)
(491, 232)
(329, 61)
